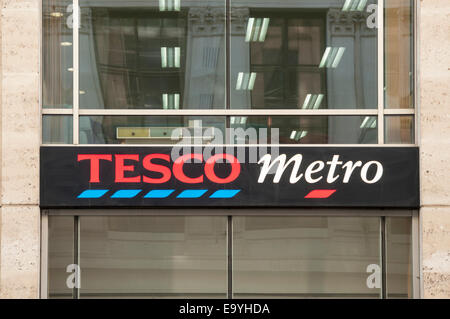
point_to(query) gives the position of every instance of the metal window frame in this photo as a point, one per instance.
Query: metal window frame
(380, 112)
(229, 214)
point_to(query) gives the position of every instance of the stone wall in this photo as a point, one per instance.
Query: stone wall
(20, 135)
(434, 64)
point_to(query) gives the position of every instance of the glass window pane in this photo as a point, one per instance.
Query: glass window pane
(399, 129)
(152, 55)
(57, 129)
(399, 56)
(148, 129)
(306, 257)
(311, 129)
(289, 50)
(60, 255)
(57, 60)
(153, 257)
(398, 257)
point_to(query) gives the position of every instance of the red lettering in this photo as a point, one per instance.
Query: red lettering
(95, 164)
(165, 171)
(235, 168)
(178, 169)
(121, 168)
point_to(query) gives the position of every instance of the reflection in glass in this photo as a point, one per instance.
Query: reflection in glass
(57, 75)
(254, 129)
(150, 129)
(398, 257)
(399, 129)
(399, 54)
(150, 257)
(60, 255)
(310, 129)
(305, 256)
(133, 56)
(298, 49)
(57, 129)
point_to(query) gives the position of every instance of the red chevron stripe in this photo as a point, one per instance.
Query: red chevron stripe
(320, 193)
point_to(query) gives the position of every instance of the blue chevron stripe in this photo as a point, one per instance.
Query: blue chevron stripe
(93, 193)
(225, 193)
(126, 193)
(159, 193)
(192, 193)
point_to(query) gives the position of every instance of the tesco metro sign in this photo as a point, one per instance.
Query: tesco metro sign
(293, 177)
(313, 173)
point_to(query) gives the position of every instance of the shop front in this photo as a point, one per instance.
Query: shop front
(229, 149)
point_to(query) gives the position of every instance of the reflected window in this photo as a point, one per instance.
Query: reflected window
(57, 129)
(162, 57)
(57, 61)
(144, 56)
(295, 52)
(150, 129)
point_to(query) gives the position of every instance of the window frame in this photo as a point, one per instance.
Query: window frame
(382, 214)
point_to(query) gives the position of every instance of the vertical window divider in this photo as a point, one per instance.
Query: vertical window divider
(76, 70)
(44, 291)
(76, 257)
(383, 257)
(227, 66)
(380, 26)
(230, 257)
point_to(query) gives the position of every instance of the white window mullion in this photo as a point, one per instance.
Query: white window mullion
(380, 27)
(76, 70)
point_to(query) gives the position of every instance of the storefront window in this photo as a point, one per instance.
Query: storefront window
(305, 257)
(153, 257)
(297, 59)
(399, 257)
(61, 256)
(272, 256)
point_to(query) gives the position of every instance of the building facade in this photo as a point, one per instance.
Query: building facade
(129, 82)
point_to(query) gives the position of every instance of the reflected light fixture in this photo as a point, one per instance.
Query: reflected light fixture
(66, 44)
(238, 120)
(169, 5)
(369, 122)
(70, 69)
(56, 14)
(257, 29)
(354, 5)
(245, 81)
(312, 101)
(332, 57)
(170, 57)
(171, 101)
(297, 135)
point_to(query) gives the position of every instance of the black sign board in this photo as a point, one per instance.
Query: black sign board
(147, 177)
